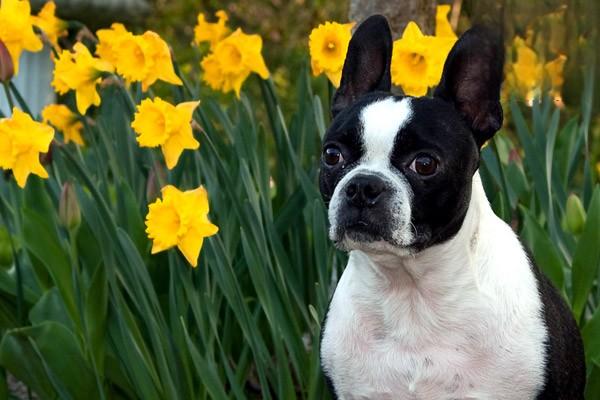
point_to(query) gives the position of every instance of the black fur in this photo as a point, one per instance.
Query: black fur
(565, 360)
(367, 65)
(472, 78)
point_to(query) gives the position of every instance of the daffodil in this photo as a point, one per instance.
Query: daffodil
(16, 29)
(527, 70)
(328, 44)
(232, 60)
(53, 27)
(137, 58)
(21, 142)
(442, 25)
(81, 72)
(418, 60)
(161, 65)
(209, 31)
(180, 219)
(65, 120)
(554, 71)
(108, 39)
(159, 123)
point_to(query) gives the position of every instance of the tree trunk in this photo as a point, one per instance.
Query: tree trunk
(398, 13)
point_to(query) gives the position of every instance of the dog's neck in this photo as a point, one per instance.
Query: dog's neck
(431, 282)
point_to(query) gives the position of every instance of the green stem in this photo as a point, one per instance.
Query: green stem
(20, 99)
(19, 275)
(72, 233)
(11, 102)
(504, 179)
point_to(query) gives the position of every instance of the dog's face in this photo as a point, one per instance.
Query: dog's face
(396, 171)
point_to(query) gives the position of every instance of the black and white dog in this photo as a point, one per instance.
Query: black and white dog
(439, 300)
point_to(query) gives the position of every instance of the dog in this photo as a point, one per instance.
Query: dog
(439, 299)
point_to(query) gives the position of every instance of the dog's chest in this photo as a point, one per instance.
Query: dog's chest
(379, 345)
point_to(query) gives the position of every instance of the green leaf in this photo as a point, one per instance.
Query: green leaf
(42, 241)
(43, 357)
(592, 389)
(544, 251)
(96, 313)
(587, 256)
(591, 339)
(50, 307)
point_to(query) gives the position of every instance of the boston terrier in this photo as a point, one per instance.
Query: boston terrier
(439, 299)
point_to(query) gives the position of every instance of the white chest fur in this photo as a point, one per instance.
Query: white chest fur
(461, 320)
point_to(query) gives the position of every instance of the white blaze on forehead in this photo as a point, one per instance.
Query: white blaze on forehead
(381, 121)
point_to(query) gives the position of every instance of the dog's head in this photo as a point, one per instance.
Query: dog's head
(396, 171)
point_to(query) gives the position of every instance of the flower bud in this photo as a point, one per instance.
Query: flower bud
(574, 218)
(7, 68)
(69, 214)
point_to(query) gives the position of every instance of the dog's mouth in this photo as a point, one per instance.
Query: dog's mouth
(361, 230)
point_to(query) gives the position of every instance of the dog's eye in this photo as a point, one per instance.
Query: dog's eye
(424, 165)
(332, 155)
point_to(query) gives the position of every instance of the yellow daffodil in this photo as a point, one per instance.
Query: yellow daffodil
(418, 60)
(159, 123)
(410, 61)
(209, 31)
(442, 25)
(554, 71)
(137, 58)
(53, 27)
(161, 65)
(16, 29)
(65, 120)
(232, 60)
(81, 72)
(108, 39)
(328, 44)
(527, 70)
(180, 219)
(21, 142)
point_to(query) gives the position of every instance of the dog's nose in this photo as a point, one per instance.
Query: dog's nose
(364, 190)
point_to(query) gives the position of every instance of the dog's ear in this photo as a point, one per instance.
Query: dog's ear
(367, 65)
(471, 80)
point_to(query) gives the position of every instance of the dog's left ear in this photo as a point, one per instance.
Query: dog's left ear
(367, 65)
(471, 81)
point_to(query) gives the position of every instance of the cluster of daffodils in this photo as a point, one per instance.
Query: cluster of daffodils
(233, 55)
(22, 139)
(417, 59)
(528, 75)
(137, 58)
(180, 218)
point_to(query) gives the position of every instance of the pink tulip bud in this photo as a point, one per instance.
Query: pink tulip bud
(7, 69)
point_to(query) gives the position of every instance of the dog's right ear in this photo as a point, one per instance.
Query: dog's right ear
(367, 65)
